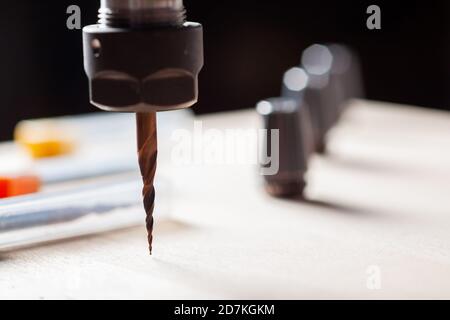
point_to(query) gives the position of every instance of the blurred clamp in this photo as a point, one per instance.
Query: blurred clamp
(314, 96)
(294, 144)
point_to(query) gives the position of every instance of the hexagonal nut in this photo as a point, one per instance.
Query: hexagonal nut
(170, 88)
(166, 89)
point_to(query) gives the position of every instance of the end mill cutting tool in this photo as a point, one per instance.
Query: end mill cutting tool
(143, 57)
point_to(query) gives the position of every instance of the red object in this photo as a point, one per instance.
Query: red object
(16, 186)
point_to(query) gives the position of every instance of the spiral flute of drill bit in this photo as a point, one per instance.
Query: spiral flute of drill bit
(147, 153)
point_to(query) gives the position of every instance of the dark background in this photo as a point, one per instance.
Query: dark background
(248, 46)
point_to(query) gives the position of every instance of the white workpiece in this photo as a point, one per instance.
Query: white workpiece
(377, 225)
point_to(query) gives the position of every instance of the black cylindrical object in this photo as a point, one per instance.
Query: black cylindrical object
(295, 83)
(142, 56)
(346, 74)
(320, 93)
(285, 119)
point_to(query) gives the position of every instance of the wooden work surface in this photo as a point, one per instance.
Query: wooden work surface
(380, 200)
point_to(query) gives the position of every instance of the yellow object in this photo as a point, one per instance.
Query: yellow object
(44, 138)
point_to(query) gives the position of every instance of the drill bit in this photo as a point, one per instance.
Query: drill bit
(147, 153)
(161, 55)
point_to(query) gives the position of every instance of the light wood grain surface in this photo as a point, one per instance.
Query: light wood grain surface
(381, 197)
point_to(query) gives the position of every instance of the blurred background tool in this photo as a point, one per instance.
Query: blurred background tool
(320, 94)
(77, 211)
(312, 102)
(346, 75)
(289, 149)
(334, 78)
(95, 141)
(93, 189)
(295, 82)
(143, 57)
